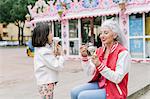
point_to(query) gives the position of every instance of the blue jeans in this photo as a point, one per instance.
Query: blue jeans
(88, 91)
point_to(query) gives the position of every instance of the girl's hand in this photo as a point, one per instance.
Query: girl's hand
(83, 51)
(58, 50)
(95, 60)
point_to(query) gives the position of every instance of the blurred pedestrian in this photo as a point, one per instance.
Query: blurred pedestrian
(108, 66)
(48, 60)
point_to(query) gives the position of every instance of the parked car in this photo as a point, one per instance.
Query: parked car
(9, 43)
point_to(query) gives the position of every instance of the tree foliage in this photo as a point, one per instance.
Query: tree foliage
(5, 8)
(14, 11)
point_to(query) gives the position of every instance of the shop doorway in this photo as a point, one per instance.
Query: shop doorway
(90, 29)
(74, 37)
(57, 29)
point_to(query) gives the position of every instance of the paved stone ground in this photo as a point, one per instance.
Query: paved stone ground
(17, 79)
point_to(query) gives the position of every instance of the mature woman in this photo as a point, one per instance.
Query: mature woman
(108, 67)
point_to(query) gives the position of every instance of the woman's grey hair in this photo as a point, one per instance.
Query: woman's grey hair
(114, 26)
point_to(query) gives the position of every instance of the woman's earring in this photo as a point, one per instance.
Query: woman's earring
(115, 37)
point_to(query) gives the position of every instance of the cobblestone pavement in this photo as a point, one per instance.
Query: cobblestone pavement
(17, 78)
(145, 96)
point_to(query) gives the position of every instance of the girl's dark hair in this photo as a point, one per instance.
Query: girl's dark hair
(40, 35)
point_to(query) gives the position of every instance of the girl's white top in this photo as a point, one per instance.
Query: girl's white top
(46, 65)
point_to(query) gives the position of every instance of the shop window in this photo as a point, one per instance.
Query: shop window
(97, 24)
(73, 37)
(57, 29)
(86, 30)
(147, 34)
(147, 47)
(136, 47)
(147, 24)
(74, 47)
(73, 28)
(136, 25)
(135, 33)
(139, 40)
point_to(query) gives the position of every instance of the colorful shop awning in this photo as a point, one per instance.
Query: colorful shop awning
(92, 13)
(138, 9)
(47, 19)
(87, 8)
(43, 12)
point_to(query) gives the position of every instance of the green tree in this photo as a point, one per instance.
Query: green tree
(18, 13)
(14, 11)
(5, 8)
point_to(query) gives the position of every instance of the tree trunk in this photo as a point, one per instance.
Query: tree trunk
(22, 32)
(17, 24)
(22, 43)
(19, 35)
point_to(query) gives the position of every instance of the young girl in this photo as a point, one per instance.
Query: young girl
(47, 61)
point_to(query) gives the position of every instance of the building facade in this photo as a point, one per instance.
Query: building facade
(9, 32)
(77, 22)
